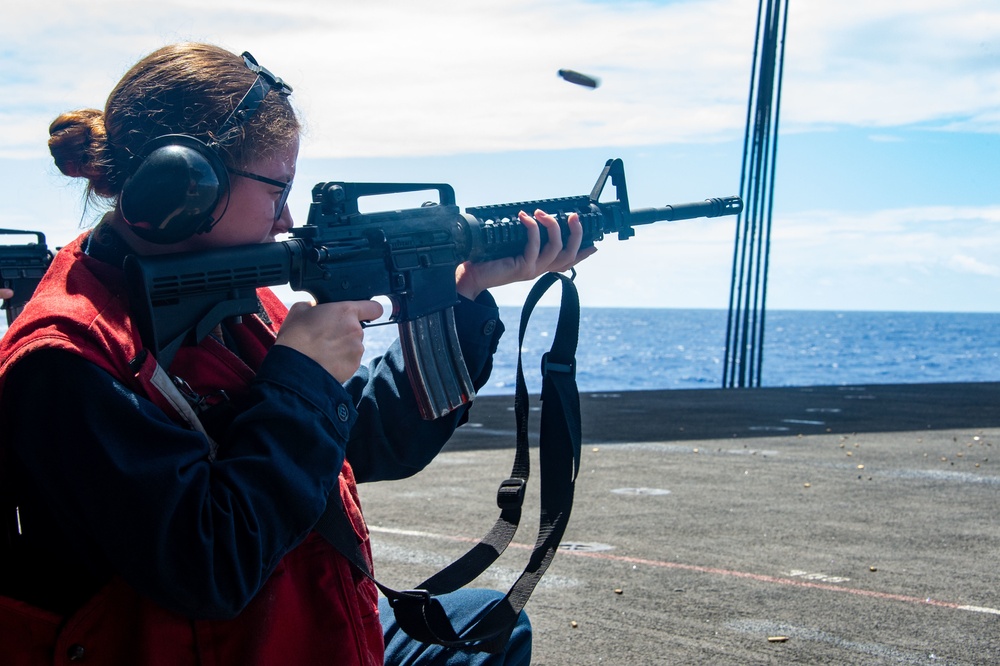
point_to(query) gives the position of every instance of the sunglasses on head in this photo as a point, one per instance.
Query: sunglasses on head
(264, 83)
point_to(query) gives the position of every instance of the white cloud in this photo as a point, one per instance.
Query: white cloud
(440, 77)
(443, 77)
(890, 63)
(966, 264)
(934, 258)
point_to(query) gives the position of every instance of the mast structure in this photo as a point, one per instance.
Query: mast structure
(745, 324)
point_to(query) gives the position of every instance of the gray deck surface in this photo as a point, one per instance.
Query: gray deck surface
(841, 525)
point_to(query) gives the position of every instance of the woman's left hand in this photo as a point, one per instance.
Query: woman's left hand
(473, 278)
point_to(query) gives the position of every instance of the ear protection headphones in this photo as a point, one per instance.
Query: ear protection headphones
(177, 181)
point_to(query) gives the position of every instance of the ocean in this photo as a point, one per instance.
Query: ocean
(626, 349)
(622, 349)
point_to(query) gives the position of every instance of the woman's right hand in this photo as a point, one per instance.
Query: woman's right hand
(330, 333)
(6, 293)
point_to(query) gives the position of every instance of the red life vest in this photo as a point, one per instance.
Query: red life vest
(314, 609)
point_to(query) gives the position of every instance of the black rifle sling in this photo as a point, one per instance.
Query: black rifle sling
(418, 613)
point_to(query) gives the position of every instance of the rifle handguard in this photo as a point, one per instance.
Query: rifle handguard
(435, 365)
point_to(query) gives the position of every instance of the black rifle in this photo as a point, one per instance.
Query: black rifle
(22, 268)
(342, 254)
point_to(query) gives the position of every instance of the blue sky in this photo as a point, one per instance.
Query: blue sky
(888, 181)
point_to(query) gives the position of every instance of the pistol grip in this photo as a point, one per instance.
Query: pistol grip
(435, 365)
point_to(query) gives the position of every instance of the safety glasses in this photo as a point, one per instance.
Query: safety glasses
(279, 205)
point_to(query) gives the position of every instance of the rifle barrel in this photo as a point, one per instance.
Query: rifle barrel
(714, 207)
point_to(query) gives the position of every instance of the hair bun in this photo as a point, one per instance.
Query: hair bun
(78, 141)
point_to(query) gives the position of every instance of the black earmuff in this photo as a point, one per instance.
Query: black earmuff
(177, 181)
(171, 194)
